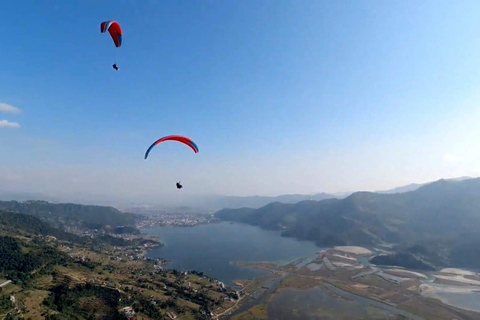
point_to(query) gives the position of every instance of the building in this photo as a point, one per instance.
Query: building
(128, 312)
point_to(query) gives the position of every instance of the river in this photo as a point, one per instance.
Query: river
(211, 247)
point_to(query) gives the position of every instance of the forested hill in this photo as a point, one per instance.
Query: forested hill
(70, 214)
(443, 209)
(90, 279)
(19, 222)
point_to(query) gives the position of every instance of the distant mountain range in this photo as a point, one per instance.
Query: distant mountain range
(25, 196)
(233, 202)
(407, 188)
(217, 202)
(443, 215)
(415, 186)
(198, 203)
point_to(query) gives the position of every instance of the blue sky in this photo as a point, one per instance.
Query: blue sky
(280, 96)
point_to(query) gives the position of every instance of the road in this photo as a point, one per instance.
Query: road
(236, 303)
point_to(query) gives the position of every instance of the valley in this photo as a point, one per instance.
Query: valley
(381, 256)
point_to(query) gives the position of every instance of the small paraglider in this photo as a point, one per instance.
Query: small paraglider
(179, 186)
(116, 33)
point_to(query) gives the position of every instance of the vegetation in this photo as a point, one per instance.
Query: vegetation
(114, 241)
(68, 301)
(465, 251)
(30, 224)
(13, 259)
(120, 242)
(94, 217)
(5, 304)
(93, 278)
(257, 312)
(126, 230)
(17, 262)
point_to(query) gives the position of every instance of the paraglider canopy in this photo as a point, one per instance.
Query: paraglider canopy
(181, 139)
(115, 31)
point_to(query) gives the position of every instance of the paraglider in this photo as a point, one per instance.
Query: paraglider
(113, 27)
(115, 31)
(181, 139)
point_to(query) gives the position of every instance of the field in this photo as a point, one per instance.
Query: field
(258, 312)
(321, 293)
(96, 281)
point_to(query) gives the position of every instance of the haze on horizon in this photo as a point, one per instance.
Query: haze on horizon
(280, 96)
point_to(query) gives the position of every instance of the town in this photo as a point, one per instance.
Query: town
(175, 219)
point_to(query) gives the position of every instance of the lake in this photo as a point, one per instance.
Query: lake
(453, 295)
(211, 247)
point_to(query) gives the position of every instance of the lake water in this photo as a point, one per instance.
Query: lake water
(467, 301)
(211, 247)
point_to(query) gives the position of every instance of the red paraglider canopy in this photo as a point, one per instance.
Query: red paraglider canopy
(181, 139)
(115, 31)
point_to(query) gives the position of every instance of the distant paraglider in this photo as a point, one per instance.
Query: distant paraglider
(113, 27)
(179, 186)
(181, 139)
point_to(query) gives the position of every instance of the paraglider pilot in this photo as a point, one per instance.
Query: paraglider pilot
(179, 186)
(115, 66)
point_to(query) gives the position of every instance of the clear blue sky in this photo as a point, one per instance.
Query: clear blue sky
(280, 96)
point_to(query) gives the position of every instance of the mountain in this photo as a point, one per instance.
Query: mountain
(235, 202)
(327, 222)
(445, 210)
(24, 196)
(24, 223)
(415, 186)
(210, 203)
(60, 214)
(407, 188)
(19, 224)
